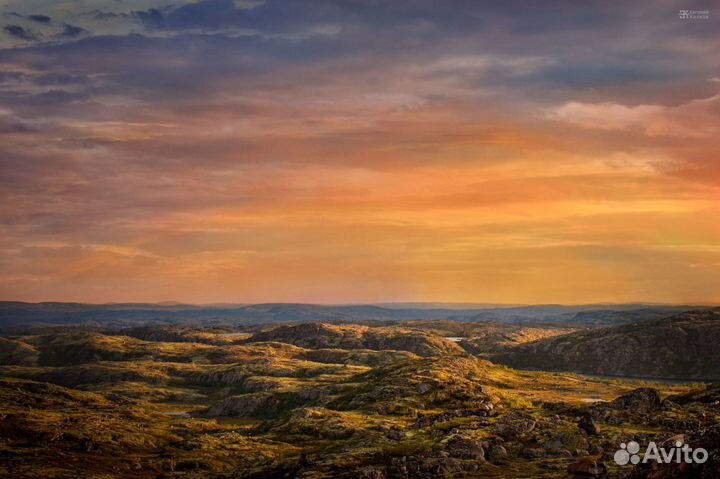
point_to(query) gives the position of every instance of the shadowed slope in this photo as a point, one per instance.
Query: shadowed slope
(684, 346)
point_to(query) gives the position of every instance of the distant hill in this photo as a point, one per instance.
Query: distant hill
(13, 314)
(328, 336)
(683, 346)
(596, 315)
(19, 314)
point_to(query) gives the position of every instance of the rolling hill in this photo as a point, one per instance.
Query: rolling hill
(683, 346)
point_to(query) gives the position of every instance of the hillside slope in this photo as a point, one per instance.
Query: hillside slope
(321, 336)
(684, 346)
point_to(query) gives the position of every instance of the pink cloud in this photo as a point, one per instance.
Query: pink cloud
(695, 119)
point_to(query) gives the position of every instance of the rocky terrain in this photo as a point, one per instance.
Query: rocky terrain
(499, 338)
(319, 335)
(683, 346)
(318, 400)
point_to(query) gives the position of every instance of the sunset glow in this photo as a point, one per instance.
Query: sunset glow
(220, 151)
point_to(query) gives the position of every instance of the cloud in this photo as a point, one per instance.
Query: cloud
(39, 18)
(247, 4)
(203, 146)
(72, 31)
(151, 18)
(607, 116)
(19, 32)
(10, 123)
(699, 118)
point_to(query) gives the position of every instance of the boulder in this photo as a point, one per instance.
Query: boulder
(589, 426)
(496, 453)
(396, 434)
(532, 452)
(588, 469)
(423, 388)
(514, 425)
(563, 441)
(464, 447)
(596, 450)
(642, 400)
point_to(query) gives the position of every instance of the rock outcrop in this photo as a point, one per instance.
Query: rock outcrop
(245, 406)
(640, 400)
(683, 346)
(328, 336)
(588, 469)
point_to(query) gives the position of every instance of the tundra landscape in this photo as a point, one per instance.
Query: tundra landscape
(369, 398)
(359, 239)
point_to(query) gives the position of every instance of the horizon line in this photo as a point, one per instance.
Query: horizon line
(469, 305)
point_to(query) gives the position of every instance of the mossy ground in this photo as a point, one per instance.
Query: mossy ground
(102, 406)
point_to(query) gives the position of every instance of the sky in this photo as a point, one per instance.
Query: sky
(359, 151)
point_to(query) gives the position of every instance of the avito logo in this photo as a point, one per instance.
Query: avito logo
(682, 453)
